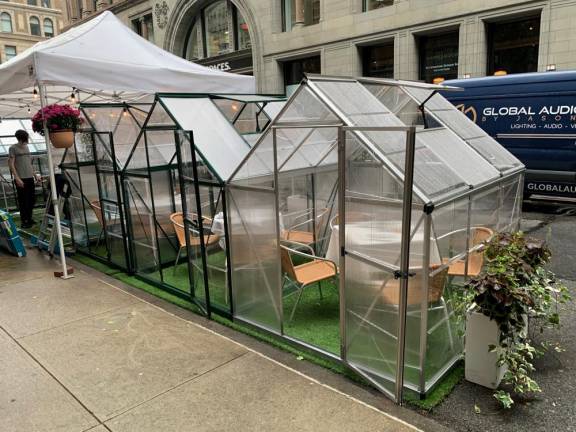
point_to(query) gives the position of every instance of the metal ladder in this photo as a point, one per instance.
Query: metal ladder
(47, 238)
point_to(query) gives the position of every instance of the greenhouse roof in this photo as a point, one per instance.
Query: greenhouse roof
(215, 139)
(452, 154)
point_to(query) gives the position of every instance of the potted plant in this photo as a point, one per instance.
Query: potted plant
(62, 122)
(513, 286)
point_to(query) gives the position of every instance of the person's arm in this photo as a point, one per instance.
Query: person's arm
(12, 165)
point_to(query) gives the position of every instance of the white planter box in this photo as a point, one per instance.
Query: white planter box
(480, 363)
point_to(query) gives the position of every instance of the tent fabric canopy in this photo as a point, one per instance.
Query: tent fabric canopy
(89, 57)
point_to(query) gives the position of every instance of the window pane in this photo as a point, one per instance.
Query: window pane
(6, 21)
(513, 46)
(46, 3)
(378, 61)
(33, 2)
(217, 32)
(294, 70)
(194, 47)
(300, 12)
(48, 28)
(376, 4)
(35, 26)
(439, 57)
(243, 35)
(9, 52)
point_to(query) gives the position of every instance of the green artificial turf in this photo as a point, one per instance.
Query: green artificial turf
(315, 322)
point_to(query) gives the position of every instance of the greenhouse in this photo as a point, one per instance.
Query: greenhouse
(355, 218)
(128, 169)
(345, 220)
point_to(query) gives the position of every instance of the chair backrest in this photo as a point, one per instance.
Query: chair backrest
(436, 284)
(476, 258)
(97, 209)
(287, 264)
(177, 220)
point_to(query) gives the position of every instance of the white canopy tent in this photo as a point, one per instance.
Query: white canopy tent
(101, 60)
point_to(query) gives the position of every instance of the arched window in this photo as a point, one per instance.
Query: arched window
(216, 30)
(6, 22)
(194, 48)
(48, 27)
(35, 26)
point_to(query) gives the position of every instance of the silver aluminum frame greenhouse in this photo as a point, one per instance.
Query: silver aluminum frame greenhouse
(347, 224)
(399, 189)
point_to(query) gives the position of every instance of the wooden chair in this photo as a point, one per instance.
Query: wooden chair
(296, 234)
(436, 283)
(475, 258)
(303, 275)
(177, 220)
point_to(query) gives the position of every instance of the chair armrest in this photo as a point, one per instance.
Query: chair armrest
(311, 256)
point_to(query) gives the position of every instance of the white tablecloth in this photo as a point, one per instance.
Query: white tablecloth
(380, 240)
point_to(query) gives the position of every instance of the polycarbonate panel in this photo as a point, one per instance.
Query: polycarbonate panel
(76, 209)
(494, 153)
(456, 153)
(259, 163)
(256, 275)
(486, 207)
(161, 147)
(159, 117)
(114, 234)
(450, 228)
(214, 137)
(305, 106)
(372, 323)
(510, 205)
(142, 227)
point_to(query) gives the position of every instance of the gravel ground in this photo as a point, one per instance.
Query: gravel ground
(555, 408)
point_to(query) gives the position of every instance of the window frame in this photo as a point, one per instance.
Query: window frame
(3, 21)
(30, 18)
(44, 21)
(6, 52)
(365, 6)
(420, 42)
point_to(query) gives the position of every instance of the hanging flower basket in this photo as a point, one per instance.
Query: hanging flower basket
(62, 138)
(62, 121)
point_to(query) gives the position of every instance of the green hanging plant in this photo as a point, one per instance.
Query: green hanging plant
(513, 286)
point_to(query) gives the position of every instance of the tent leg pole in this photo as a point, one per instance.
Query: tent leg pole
(53, 192)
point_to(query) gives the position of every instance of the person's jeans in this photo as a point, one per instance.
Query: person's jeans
(26, 200)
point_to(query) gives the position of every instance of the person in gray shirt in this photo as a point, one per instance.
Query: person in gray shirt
(20, 164)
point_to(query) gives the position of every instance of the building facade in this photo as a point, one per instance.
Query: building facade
(25, 22)
(429, 40)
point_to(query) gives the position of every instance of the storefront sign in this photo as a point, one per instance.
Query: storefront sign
(229, 63)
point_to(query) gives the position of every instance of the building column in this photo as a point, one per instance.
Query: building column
(299, 20)
(86, 8)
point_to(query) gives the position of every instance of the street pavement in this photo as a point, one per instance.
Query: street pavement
(473, 408)
(91, 354)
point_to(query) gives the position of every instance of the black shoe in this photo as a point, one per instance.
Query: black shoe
(32, 222)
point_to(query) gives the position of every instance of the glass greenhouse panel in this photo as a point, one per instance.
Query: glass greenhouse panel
(255, 257)
(450, 229)
(511, 205)
(77, 210)
(305, 106)
(461, 158)
(209, 126)
(485, 209)
(142, 227)
(159, 117)
(161, 148)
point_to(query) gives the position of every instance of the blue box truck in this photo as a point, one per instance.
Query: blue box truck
(533, 115)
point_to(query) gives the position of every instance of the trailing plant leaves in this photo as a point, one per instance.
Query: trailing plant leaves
(513, 285)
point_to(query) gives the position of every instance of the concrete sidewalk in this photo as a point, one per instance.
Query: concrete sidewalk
(90, 354)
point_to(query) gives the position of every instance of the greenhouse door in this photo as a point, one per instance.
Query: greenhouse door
(110, 214)
(374, 253)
